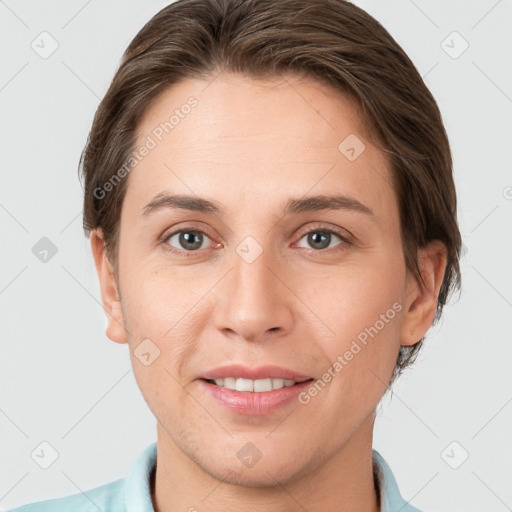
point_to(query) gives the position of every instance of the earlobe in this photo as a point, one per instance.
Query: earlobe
(422, 298)
(109, 293)
(115, 328)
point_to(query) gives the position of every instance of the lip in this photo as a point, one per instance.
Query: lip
(261, 372)
(248, 403)
(254, 404)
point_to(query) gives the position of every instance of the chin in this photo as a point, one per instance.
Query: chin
(264, 474)
(264, 463)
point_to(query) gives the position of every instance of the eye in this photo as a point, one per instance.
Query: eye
(188, 240)
(321, 238)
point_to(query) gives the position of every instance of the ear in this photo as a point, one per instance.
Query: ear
(421, 299)
(109, 294)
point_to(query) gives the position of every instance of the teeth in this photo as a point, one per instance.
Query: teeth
(278, 383)
(229, 383)
(255, 386)
(262, 385)
(244, 385)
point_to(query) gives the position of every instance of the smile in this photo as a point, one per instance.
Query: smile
(253, 386)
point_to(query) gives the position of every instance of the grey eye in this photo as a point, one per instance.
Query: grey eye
(320, 239)
(189, 240)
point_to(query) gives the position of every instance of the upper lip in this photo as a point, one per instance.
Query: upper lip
(255, 373)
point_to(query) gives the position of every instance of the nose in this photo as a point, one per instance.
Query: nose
(253, 302)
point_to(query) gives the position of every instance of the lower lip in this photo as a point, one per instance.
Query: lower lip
(254, 404)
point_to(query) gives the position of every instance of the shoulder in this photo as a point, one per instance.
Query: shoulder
(132, 492)
(108, 498)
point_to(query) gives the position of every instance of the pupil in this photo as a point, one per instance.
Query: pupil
(190, 237)
(315, 239)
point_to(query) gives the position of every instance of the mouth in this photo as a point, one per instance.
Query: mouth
(254, 386)
(253, 391)
(250, 391)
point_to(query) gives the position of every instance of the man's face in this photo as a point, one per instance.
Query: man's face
(248, 286)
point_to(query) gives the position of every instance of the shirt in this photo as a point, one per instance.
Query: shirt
(133, 493)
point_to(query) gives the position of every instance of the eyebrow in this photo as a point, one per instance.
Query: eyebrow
(292, 206)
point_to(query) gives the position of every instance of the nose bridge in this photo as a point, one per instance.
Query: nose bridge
(254, 299)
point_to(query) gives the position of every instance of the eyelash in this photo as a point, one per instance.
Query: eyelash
(345, 241)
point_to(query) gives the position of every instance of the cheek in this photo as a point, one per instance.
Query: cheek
(360, 313)
(352, 299)
(156, 298)
(164, 315)
(160, 386)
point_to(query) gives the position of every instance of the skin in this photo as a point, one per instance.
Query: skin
(250, 145)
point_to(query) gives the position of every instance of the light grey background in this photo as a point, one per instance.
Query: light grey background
(63, 381)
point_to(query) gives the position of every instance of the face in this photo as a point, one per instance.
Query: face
(252, 283)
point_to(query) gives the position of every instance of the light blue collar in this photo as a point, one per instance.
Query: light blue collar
(137, 491)
(390, 498)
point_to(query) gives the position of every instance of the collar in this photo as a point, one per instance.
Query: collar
(390, 497)
(137, 490)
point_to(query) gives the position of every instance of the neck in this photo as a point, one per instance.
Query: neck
(344, 483)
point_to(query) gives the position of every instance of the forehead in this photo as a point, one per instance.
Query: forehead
(247, 140)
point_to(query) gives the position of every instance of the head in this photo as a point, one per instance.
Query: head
(257, 106)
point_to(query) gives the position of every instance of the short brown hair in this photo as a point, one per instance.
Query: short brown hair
(332, 41)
